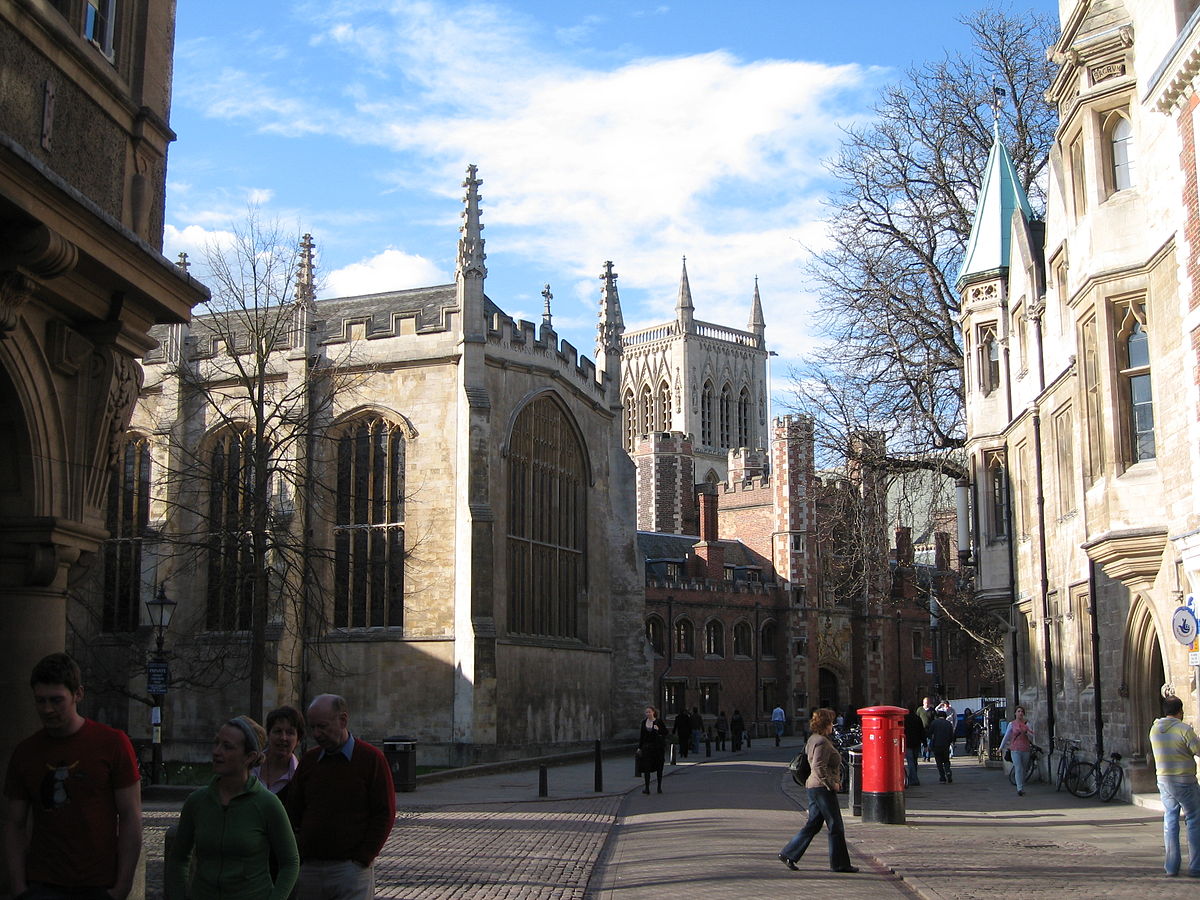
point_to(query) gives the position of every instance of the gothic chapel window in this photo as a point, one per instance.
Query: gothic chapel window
(664, 407)
(646, 407)
(726, 416)
(368, 536)
(743, 418)
(1133, 343)
(233, 477)
(127, 520)
(547, 524)
(629, 419)
(989, 359)
(706, 415)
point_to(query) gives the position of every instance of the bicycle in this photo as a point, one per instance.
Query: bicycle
(1103, 778)
(1033, 768)
(1068, 748)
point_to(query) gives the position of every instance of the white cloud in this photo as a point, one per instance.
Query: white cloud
(391, 270)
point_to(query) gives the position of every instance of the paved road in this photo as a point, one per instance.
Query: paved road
(716, 832)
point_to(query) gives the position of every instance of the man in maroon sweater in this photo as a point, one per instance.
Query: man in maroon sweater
(342, 805)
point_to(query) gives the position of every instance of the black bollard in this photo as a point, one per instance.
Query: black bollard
(599, 769)
(543, 786)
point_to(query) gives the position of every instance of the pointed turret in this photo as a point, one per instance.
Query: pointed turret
(1000, 195)
(471, 271)
(306, 293)
(757, 324)
(610, 327)
(684, 311)
(547, 320)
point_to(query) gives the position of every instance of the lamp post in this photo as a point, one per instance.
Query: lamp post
(158, 674)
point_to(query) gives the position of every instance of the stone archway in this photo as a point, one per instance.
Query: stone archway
(1143, 674)
(828, 685)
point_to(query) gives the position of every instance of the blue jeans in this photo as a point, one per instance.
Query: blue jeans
(910, 762)
(1020, 761)
(823, 809)
(335, 880)
(1180, 792)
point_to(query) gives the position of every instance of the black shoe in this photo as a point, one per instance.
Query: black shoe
(659, 789)
(1020, 793)
(950, 778)
(787, 862)
(848, 869)
(645, 790)
(941, 781)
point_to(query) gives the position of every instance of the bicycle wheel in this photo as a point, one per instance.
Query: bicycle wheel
(1110, 784)
(1082, 778)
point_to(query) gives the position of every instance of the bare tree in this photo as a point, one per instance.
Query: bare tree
(899, 224)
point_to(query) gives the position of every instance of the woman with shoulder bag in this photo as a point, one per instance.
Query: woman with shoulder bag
(651, 749)
(1017, 740)
(824, 782)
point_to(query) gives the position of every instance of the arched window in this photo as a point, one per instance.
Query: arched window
(1119, 132)
(655, 634)
(1135, 373)
(664, 407)
(706, 415)
(743, 418)
(547, 524)
(726, 416)
(685, 637)
(997, 494)
(128, 517)
(233, 478)
(714, 638)
(989, 359)
(646, 409)
(368, 533)
(768, 639)
(743, 644)
(629, 420)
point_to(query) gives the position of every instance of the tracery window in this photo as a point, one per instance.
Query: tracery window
(655, 635)
(547, 524)
(706, 414)
(1064, 438)
(989, 359)
(997, 494)
(768, 639)
(1119, 134)
(127, 519)
(726, 417)
(685, 637)
(743, 644)
(629, 420)
(714, 638)
(646, 408)
(664, 407)
(1090, 370)
(1133, 341)
(233, 477)
(743, 418)
(368, 534)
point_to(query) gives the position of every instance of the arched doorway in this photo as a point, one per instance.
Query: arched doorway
(827, 688)
(1143, 675)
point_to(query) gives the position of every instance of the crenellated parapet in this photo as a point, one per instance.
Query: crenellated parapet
(519, 339)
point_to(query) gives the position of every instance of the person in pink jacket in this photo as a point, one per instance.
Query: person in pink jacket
(1018, 740)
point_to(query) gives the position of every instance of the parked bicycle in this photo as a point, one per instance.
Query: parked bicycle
(1102, 778)
(1033, 768)
(1068, 748)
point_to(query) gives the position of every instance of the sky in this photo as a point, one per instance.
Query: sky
(627, 130)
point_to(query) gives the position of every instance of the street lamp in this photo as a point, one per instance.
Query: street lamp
(158, 674)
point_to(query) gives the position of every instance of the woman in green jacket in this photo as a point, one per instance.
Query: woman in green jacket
(233, 825)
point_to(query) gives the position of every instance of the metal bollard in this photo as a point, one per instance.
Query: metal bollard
(674, 752)
(543, 785)
(599, 769)
(855, 798)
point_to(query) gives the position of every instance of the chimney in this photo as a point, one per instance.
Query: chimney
(904, 546)
(709, 551)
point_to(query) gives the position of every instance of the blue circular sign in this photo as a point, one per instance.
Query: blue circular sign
(1183, 625)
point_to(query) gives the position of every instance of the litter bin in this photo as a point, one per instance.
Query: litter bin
(855, 798)
(401, 753)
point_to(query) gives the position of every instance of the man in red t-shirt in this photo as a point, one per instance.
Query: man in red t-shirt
(78, 781)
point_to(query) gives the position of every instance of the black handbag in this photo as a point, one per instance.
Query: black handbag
(1008, 756)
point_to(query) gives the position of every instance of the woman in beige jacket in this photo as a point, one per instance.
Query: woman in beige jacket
(823, 808)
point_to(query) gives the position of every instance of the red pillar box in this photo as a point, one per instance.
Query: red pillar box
(883, 764)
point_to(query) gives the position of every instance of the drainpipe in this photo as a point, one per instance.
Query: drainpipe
(1012, 587)
(1044, 576)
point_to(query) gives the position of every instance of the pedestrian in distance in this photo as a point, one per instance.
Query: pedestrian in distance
(914, 736)
(234, 826)
(1176, 747)
(779, 720)
(683, 732)
(737, 727)
(926, 712)
(342, 804)
(1018, 741)
(651, 748)
(941, 737)
(722, 728)
(285, 731)
(74, 824)
(697, 729)
(823, 783)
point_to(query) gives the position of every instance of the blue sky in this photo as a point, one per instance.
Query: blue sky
(629, 131)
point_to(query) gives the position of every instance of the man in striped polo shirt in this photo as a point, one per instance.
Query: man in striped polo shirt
(1175, 747)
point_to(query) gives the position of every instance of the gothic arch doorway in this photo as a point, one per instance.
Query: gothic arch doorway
(1143, 675)
(827, 688)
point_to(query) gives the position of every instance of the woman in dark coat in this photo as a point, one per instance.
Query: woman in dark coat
(737, 727)
(652, 741)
